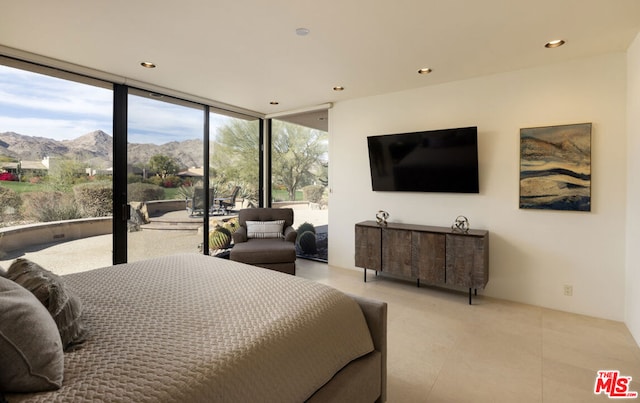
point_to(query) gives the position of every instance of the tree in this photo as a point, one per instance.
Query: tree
(64, 173)
(235, 159)
(299, 155)
(163, 165)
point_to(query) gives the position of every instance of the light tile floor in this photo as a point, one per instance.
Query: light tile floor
(443, 350)
(440, 348)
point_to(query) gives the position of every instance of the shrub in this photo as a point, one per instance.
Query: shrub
(171, 181)
(144, 192)
(307, 243)
(133, 178)
(7, 176)
(187, 191)
(304, 227)
(10, 202)
(313, 193)
(49, 206)
(102, 178)
(66, 173)
(155, 180)
(94, 199)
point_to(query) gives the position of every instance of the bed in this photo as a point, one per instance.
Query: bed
(201, 329)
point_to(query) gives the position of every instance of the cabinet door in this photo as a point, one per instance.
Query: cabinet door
(368, 247)
(466, 261)
(396, 253)
(428, 254)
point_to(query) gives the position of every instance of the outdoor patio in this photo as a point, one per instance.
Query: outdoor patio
(165, 235)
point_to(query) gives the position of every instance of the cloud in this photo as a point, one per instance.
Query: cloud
(38, 105)
(168, 122)
(43, 94)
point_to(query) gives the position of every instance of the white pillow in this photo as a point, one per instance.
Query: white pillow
(265, 229)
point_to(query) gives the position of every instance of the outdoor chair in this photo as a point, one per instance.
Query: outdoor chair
(227, 203)
(266, 239)
(196, 205)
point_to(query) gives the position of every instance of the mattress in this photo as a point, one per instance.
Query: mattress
(197, 328)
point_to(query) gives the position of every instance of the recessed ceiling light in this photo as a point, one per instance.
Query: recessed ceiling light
(425, 70)
(338, 88)
(555, 43)
(274, 103)
(302, 31)
(148, 65)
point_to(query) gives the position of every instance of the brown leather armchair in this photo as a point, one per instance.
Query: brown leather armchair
(271, 251)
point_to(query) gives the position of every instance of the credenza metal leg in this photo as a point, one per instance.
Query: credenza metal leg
(475, 292)
(365, 274)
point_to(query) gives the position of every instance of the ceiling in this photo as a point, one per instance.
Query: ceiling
(246, 53)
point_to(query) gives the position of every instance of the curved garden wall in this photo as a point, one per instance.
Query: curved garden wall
(21, 237)
(17, 238)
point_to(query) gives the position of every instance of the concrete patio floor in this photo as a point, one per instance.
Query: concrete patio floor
(96, 251)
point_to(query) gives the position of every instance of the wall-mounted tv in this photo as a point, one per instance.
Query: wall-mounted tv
(429, 161)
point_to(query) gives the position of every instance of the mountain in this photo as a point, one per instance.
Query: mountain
(96, 148)
(96, 142)
(32, 148)
(188, 153)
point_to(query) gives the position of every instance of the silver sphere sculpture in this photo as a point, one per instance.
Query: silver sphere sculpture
(381, 218)
(460, 224)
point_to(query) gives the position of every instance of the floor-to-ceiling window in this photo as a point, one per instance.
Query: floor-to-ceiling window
(299, 179)
(165, 168)
(234, 175)
(55, 167)
(61, 167)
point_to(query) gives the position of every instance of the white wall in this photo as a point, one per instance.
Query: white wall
(533, 253)
(633, 185)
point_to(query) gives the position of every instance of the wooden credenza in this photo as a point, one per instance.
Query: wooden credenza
(433, 255)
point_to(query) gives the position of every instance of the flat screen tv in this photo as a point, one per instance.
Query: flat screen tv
(429, 161)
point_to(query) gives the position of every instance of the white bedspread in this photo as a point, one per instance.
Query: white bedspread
(193, 328)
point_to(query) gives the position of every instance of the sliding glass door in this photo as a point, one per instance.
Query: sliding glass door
(56, 159)
(234, 174)
(165, 168)
(102, 173)
(299, 179)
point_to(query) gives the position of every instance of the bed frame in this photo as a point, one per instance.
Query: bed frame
(353, 383)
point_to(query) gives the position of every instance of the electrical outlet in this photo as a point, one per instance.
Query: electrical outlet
(568, 290)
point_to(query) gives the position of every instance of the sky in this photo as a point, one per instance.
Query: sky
(38, 105)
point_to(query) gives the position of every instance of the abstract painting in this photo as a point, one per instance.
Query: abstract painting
(555, 167)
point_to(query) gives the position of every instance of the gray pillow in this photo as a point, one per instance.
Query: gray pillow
(63, 305)
(31, 355)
